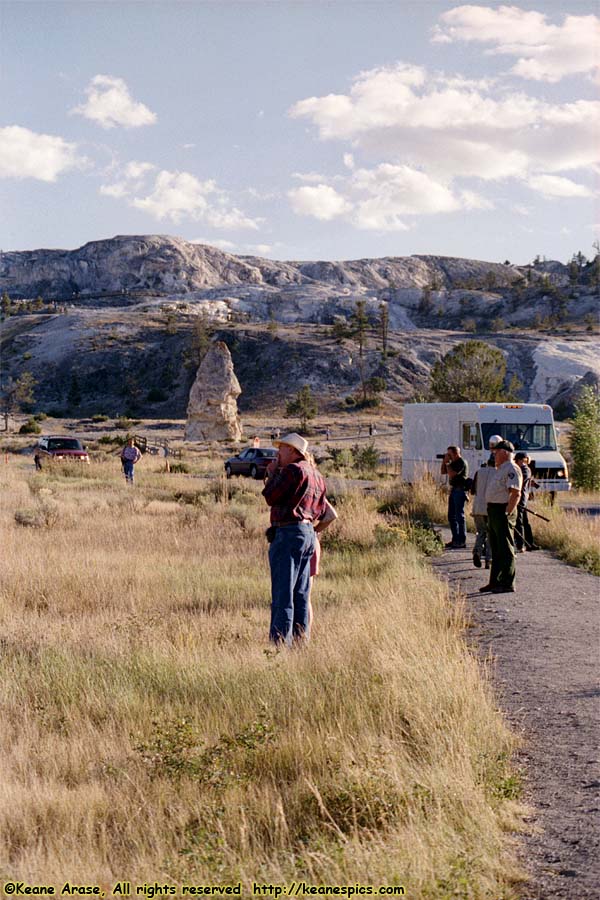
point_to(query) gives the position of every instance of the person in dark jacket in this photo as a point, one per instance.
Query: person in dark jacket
(295, 491)
(455, 467)
(523, 533)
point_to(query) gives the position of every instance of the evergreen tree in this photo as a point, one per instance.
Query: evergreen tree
(304, 405)
(384, 324)
(5, 305)
(472, 371)
(359, 324)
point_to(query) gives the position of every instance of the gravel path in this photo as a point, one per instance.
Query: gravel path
(545, 639)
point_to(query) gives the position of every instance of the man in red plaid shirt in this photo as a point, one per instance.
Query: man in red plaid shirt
(295, 491)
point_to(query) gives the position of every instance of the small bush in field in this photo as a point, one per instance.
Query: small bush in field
(112, 439)
(178, 468)
(366, 459)
(99, 417)
(176, 750)
(125, 423)
(30, 427)
(44, 515)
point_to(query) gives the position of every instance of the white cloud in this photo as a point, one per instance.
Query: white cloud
(473, 200)
(179, 195)
(309, 177)
(219, 243)
(456, 131)
(545, 52)
(117, 190)
(27, 154)
(230, 247)
(109, 103)
(132, 178)
(135, 169)
(555, 186)
(349, 160)
(322, 202)
(382, 198)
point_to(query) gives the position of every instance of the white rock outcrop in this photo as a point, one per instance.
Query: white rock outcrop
(212, 408)
(559, 363)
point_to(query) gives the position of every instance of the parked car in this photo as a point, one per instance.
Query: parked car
(252, 462)
(59, 447)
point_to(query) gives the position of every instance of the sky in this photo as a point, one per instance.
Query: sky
(303, 130)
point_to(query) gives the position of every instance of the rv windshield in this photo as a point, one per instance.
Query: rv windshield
(524, 437)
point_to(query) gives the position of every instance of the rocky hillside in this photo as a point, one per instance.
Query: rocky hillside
(133, 263)
(124, 333)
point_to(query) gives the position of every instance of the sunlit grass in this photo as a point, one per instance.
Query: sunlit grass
(150, 729)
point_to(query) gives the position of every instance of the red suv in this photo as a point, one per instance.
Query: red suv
(59, 447)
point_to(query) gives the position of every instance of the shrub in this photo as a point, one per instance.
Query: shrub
(124, 423)
(585, 440)
(30, 427)
(39, 417)
(99, 417)
(178, 469)
(44, 515)
(366, 459)
(112, 439)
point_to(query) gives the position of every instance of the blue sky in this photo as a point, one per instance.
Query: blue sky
(303, 130)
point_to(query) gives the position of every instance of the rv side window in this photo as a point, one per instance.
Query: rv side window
(471, 436)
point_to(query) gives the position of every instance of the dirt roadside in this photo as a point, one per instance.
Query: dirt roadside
(545, 639)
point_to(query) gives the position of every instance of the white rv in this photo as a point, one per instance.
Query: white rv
(429, 428)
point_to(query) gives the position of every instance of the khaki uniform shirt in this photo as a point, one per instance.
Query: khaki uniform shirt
(506, 477)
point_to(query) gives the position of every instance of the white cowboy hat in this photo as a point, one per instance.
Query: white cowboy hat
(495, 439)
(294, 440)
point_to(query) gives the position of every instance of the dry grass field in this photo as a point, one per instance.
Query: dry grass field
(151, 733)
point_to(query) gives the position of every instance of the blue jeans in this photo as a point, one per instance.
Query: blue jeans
(289, 558)
(128, 470)
(456, 515)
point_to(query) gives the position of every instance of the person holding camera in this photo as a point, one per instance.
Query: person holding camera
(457, 470)
(295, 491)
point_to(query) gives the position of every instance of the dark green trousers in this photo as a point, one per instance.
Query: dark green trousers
(501, 532)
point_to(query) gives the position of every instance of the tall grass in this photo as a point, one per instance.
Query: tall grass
(573, 536)
(151, 732)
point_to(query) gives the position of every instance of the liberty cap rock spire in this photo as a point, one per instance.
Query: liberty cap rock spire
(212, 408)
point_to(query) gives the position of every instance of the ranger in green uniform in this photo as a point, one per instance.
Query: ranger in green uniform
(502, 494)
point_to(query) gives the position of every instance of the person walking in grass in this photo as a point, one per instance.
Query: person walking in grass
(481, 550)
(295, 491)
(455, 467)
(130, 455)
(502, 494)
